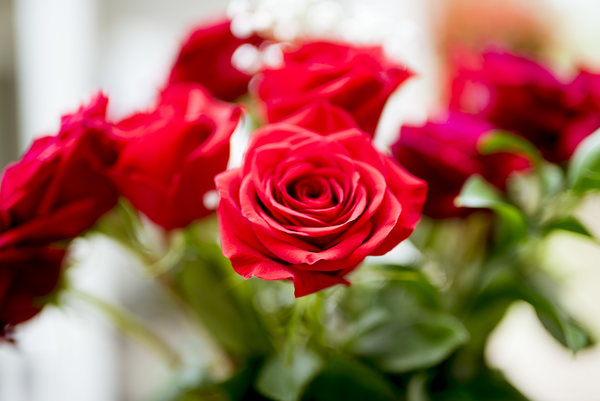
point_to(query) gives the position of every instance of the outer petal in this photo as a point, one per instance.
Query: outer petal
(322, 117)
(410, 193)
(172, 154)
(26, 274)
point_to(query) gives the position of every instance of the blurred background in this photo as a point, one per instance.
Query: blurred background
(55, 54)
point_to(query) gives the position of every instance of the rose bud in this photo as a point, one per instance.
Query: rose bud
(310, 207)
(358, 79)
(518, 94)
(445, 155)
(61, 186)
(173, 153)
(28, 275)
(206, 58)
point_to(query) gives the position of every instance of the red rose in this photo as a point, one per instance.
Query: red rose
(172, 154)
(358, 79)
(205, 58)
(520, 95)
(323, 117)
(586, 89)
(585, 98)
(26, 275)
(445, 155)
(61, 186)
(310, 208)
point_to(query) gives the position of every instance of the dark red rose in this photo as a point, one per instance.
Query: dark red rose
(586, 89)
(26, 276)
(322, 117)
(310, 207)
(357, 79)
(205, 58)
(445, 155)
(173, 153)
(585, 98)
(518, 94)
(61, 185)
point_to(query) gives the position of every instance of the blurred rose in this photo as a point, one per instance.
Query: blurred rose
(310, 208)
(445, 155)
(585, 97)
(57, 190)
(323, 117)
(206, 58)
(27, 276)
(518, 94)
(173, 153)
(358, 79)
(60, 187)
(586, 89)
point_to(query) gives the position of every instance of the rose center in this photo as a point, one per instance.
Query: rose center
(311, 189)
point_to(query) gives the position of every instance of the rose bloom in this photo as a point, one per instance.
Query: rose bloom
(27, 276)
(205, 57)
(358, 79)
(172, 154)
(61, 186)
(518, 94)
(323, 117)
(57, 190)
(445, 155)
(310, 208)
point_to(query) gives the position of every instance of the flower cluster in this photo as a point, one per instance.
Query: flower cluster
(497, 90)
(312, 200)
(313, 196)
(495, 174)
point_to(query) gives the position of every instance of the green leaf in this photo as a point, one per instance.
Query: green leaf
(564, 330)
(584, 169)
(552, 178)
(487, 385)
(556, 320)
(414, 281)
(284, 380)
(539, 293)
(413, 342)
(478, 193)
(347, 379)
(499, 141)
(570, 224)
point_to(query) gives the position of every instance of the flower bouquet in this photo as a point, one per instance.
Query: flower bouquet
(288, 259)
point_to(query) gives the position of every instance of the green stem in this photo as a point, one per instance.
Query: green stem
(132, 327)
(317, 326)
(191, 317)
(292, 332)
